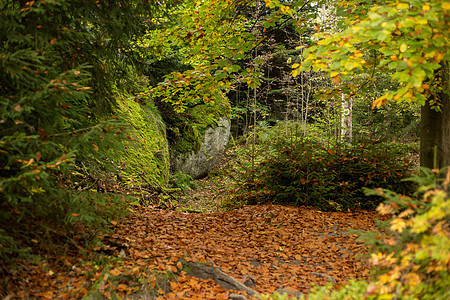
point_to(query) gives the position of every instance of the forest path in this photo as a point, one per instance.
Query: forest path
(277, 247)
(270, 247)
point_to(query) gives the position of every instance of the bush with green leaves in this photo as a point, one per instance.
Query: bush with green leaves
(305, 172)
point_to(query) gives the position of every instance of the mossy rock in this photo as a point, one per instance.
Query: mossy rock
(199, 163)
(186, 130)
(199, 137)
(146, 155)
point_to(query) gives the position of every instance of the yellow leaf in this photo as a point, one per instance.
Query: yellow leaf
(446, 5)
(403, 47)
(378, 102)
(406, 213)
(284, 9)
(352, 65)
(385, 278)
(376, 258)
(30, 162)
(413, 279)
(420, 21)
(438, 57)
(294, 73)
(398, 225)
(295, 66)
(385, 209)
(325, 42)
(426, 7)
(402, 6)
(333, 74)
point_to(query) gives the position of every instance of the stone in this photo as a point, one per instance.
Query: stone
(292, 293)
(199, 163)
(333, 280)
(234, 296)
(206, 271)
(249, 280)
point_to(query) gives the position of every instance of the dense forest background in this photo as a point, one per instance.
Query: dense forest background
(324, 104)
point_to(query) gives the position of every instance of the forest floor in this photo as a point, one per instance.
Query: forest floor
(269, 247)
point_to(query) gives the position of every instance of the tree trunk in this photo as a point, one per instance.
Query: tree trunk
(435, 129)
(346, 120)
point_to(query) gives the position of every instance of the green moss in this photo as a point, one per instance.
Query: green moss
(146, 154)
(190, 126)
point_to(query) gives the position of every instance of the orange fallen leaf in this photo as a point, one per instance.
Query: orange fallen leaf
(115, 272)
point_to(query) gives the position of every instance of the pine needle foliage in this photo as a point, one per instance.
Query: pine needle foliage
(58, 63)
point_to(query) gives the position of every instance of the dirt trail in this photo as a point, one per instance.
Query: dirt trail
(277, 246)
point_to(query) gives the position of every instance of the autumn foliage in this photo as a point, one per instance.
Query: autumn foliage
(419, 264)
(63, 66)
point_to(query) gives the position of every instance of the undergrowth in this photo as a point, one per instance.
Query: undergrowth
(302, 170)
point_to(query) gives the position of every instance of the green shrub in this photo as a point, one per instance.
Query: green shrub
(305, 172)
(416, 264)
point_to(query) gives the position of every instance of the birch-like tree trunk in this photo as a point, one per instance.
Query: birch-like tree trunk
(346, 119)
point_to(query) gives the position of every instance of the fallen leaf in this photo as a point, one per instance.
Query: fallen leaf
(115, 272)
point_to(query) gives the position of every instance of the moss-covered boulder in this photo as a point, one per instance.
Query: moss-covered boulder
(145, 156)
(198, 163)
(198, 135)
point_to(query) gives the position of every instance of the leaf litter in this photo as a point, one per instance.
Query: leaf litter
(278, 247)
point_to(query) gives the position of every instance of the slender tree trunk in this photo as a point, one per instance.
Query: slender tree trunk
(435, 129)
(346, 120)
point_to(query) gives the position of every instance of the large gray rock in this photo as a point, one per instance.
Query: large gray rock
(199, 164)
